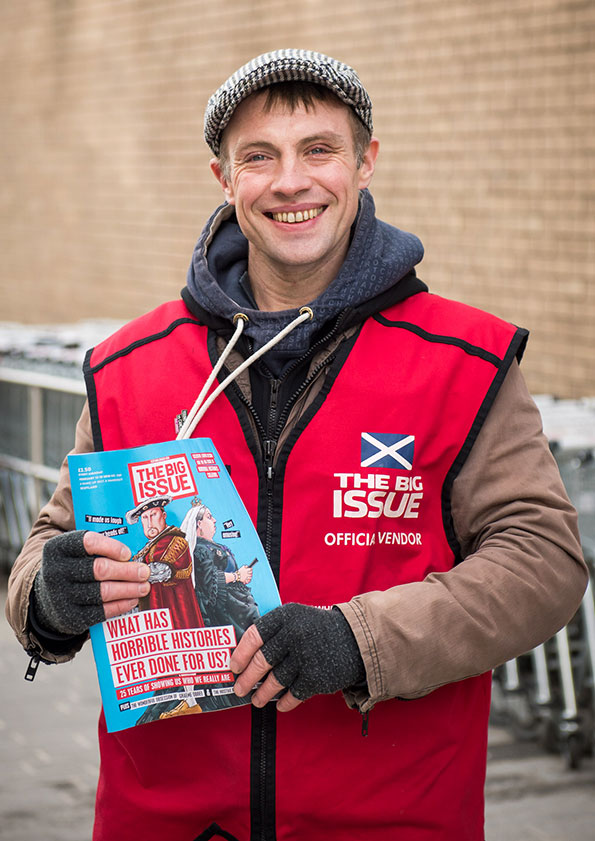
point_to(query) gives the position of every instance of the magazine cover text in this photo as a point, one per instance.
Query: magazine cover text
(175, 506)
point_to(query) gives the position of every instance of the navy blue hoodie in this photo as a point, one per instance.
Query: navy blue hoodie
(379, 258)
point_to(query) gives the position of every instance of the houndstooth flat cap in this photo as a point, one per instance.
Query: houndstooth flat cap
(284, 66)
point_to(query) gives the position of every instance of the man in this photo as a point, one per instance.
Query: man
(170, 563)
(389, 453)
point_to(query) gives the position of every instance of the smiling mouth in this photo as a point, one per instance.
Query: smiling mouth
(297, 216)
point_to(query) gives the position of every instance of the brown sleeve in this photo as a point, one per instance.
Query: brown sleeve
(54, 518)
(522, 578)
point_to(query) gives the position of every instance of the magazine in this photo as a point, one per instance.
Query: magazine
(175, 506)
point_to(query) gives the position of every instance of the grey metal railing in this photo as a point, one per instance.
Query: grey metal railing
(38, 413)
(548, 695)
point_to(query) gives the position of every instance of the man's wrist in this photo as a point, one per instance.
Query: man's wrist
(52, 640)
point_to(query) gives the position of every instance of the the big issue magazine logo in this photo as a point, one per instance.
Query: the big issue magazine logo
(169, 476)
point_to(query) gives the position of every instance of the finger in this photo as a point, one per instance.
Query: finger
(256, 669)
(115, 591)
(267, 691)
(246, 649)
(100, 544)
(288, 702)
(106, 569)
(113, 609)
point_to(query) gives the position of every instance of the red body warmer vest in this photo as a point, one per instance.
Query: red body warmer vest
(359, 501)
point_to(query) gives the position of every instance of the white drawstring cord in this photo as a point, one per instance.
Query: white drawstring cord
(198, 410)
(240, 321)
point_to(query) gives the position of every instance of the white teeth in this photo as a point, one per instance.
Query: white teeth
(298, 216)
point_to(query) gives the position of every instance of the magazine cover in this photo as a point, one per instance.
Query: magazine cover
(175, 506)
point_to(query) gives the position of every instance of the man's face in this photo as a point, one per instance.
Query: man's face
(298, 166)
(153, 522)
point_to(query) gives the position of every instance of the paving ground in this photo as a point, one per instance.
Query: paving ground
(48, 765)
(532, 796)
(48, 747)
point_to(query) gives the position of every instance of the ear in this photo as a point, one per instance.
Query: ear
(366, 170)
(225, 185)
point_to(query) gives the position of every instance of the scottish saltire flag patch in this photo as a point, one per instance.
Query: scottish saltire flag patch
(385, 449)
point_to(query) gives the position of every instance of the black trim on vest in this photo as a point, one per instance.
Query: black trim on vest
(516, 349)
(145, 341)
(472, 350)
(92, 399)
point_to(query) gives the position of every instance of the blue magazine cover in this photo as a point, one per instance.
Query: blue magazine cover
(175, 506)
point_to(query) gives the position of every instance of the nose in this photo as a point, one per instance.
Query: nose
(291, 176)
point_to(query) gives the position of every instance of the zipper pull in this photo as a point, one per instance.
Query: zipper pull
(274, 394)
(365, 723)
(269, 450)
(32, 668)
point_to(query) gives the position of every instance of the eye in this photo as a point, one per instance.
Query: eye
(318, 150)
(255, 158)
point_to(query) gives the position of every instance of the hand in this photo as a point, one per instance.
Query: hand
(123, 582)
(307, 650)
(245, 574)
(85, 577)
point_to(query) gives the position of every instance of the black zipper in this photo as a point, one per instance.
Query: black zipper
(263, 738)
(264, 721)
(300, 390)
(267, 720)
(269, 447)
(273, 403)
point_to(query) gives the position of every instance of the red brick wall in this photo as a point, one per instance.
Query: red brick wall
(485, 112)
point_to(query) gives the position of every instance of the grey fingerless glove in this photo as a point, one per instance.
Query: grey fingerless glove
(66, 598)
(312, 650)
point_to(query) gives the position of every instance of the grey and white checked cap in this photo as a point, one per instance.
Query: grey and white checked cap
(284, 66)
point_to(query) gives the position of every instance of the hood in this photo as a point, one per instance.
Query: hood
(378, 258)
